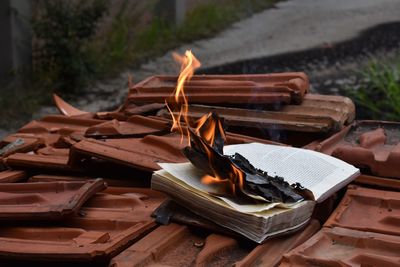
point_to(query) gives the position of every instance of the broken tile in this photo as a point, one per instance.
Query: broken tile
(60, 124)
(246, 89)
(19, 143)
(45, 200)
(368, 210)
(345, 247)
(373, 146)
(12, 176)
(378, 182)
(140, 153)
(35, 161)
(130, 109)
(135, 126)
(317, 114)
(52, 151)
(108, 223)
(270, 253)
(65, 108)
(126, 181)
(178, 245)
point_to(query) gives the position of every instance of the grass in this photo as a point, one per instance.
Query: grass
(128, 44)
(379, 96)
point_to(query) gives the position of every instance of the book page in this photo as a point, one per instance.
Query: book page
(191, 176)
(320, 173)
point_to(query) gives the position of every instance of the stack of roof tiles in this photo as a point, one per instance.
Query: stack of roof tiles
(54, 208)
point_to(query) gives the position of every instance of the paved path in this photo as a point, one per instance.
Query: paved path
(293, 25)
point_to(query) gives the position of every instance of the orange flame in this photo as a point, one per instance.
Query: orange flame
(189, 63)
(208, 133)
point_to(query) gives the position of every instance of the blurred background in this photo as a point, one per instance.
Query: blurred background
(86, 50)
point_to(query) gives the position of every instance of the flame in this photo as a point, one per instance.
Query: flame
(208, 132)
(189, 63)
(206, 127)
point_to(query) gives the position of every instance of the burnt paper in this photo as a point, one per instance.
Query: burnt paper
(240, 177)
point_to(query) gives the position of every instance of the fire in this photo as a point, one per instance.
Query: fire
(208, 132)
(207, 127)
(189, 63)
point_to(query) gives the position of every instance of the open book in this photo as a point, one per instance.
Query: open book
(321, 174)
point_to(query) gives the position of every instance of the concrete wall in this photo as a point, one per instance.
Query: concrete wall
(15, 37)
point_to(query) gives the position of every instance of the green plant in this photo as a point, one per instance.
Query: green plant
(379, 96)
(64, 29)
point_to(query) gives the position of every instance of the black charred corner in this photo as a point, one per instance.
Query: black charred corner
(209, 158)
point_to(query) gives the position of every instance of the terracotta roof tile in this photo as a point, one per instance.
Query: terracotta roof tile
(315, 114)
(345, 247)
(141, 153)
(368, 210)
(108, 223)
(126, 181)
(65, 108)
(59, 124)
(270, 253)
(19, 143)
(178, 245)
(374, 146)
(45, 200)
(24, 160)
(12, 176)
(135, 126)
(378, 182)
(225, 89)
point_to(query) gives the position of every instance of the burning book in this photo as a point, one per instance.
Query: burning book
(254, 189)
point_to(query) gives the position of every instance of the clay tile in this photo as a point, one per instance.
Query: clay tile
(55, 123)
(19, 143)
(35, 161)
(110, 115)
(368, 210)
(65, 108)
(142, 153)
(316, 115)
(45, 200)
(107, 224)
(136, 126)
(51, 151)
(373, 146)
(130, 109)
(125, 181)
(345, 247)
(225, 89)
(12, 176)
(177, 245)
(270, 253)
(378, 182)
